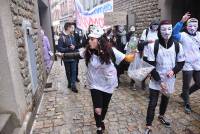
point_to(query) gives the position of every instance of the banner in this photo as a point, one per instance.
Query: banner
(95, 16)
(115, 18)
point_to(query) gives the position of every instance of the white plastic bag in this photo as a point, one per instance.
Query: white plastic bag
(139, 69)
(170, 83)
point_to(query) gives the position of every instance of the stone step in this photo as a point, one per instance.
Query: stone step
(6, 124)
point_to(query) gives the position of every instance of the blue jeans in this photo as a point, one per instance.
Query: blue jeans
(71, 70)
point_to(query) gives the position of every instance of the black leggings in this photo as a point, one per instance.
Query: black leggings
(153, 96)
(100, 100)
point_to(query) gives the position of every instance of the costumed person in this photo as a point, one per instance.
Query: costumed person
(168, 58)
(149, 35)
(101, 72)
(190, 40)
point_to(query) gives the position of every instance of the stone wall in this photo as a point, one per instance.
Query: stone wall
(25, 9)
(145, 11)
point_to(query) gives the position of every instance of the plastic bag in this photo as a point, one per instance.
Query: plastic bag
(170, 83)
(131, 45)
(139, 69)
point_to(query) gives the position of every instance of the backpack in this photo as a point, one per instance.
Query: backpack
(156, 47)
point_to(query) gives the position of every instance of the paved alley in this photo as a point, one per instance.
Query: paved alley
(64, 112)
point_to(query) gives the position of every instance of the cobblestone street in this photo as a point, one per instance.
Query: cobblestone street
(64, 112)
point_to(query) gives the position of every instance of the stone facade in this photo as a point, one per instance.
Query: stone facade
(144, 10)
(26, 10)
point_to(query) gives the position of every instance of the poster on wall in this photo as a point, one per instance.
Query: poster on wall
(94, 16)
(115, 18)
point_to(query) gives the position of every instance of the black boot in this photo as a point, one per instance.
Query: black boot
(74, 89)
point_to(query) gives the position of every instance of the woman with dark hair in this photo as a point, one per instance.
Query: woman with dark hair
(101, 72)
(168, 58)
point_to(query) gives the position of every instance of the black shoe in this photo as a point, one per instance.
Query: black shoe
(148, 131)
(103, 126)
(188, 109)
(74, 89)
(99, 132)
(164, 122)
(77, 80)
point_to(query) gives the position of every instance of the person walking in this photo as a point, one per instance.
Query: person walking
(148, 37)
(168, 58)
(101, 72)
(66, 44)
(190, 40)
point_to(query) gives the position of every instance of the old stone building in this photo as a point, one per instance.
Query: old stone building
(22, 73)
(142, 12)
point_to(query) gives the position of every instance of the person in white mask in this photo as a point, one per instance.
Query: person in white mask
(168, 59)
(148, 37)
(190, 39)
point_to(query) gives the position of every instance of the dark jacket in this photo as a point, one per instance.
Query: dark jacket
(64, 43)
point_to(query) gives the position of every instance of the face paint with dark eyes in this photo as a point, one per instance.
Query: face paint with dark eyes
(166, 31)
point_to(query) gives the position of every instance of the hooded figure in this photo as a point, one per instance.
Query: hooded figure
(148, 36)
(168, 58)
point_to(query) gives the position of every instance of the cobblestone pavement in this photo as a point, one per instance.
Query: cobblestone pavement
(64, 112)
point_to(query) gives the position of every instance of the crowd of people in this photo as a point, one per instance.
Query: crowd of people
(108, 53)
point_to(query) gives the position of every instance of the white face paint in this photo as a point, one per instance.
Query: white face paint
(132, 29)
(192, 27)
(166, 31)
(121, 28)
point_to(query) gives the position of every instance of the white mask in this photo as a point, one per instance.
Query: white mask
(166, 31)
(192, 27)
(121, 28)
